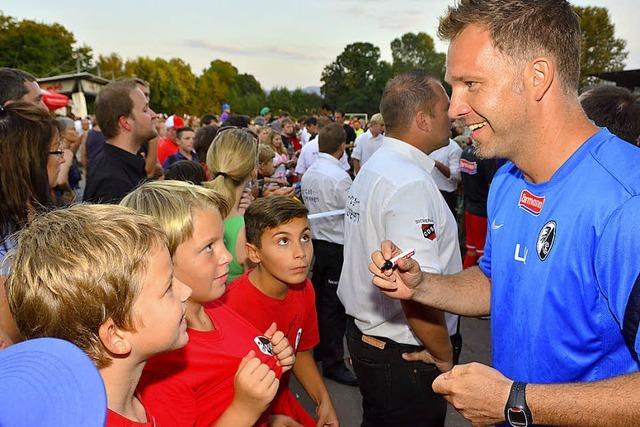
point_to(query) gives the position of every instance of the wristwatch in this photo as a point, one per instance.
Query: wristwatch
(516, 411)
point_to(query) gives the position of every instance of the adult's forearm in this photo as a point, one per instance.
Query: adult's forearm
(429, 325)
(467, 293)
(611, 402)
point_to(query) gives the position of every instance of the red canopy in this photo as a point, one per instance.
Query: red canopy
(54, 100)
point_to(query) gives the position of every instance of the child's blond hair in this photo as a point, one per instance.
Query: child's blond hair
(265, 154)
(74, 268)
(172, 203)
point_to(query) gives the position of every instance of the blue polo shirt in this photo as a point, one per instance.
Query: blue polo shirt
(563, 259)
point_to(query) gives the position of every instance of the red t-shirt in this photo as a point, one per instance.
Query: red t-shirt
(114, 419)
(193, 386)
(295, 315)
(166, 147)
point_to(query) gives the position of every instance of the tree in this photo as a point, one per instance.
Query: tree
(417, 51)
(41, 49)
(355, 80)
(110, 66)
(246, 95)
(172, 83)
(601, 50)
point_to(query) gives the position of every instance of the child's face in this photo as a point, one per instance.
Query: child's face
(202, 262)
(276, 141)
(159, 309)
(286, 251)
(263, 135)
(266, 168)
(186, 141)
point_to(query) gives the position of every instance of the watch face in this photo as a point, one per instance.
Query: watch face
(517, 417)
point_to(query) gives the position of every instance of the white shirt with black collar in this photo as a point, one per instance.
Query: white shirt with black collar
(394, 197)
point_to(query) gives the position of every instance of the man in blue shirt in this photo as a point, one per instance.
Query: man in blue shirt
(560, 275)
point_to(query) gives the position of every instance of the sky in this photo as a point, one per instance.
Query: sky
(284, 43)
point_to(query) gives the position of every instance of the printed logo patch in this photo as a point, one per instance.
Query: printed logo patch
(264, 345)
(530, 202)
(429, 231)
(546, 237)
(470, 168)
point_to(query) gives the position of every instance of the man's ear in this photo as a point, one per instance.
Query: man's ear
(423, 121)
(539, 75)
(113, 338)
(253, 253)
(123, 121)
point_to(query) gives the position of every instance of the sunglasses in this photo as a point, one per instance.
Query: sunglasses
(58, 153)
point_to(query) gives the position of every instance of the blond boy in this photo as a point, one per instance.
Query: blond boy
(101, 277)
(228, 373)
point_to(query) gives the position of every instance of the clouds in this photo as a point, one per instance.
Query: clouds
(288, 53)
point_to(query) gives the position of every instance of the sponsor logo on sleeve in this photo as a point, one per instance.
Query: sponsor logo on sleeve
(429, 231)
(530, 202)
(546, 237)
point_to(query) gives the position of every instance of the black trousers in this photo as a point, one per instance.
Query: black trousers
(451, 198)
(395, 393)
(332, 320)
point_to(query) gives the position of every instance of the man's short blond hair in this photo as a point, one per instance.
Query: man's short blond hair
(376, 119)
(75, 268)
(172, 204)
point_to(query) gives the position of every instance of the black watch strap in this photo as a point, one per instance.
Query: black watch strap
(516, 411)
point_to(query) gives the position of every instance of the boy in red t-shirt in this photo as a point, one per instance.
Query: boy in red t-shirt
(100, 276)
(278, 290)
(227, 374)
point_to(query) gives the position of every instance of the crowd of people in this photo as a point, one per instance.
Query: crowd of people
(198, 263)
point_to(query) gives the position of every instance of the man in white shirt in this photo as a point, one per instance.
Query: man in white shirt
(324, 189)
(398, 349)
(446, 172)
(309, 152)
(368, 143)
(309, 131)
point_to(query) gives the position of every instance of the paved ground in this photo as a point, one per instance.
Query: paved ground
(347, 400)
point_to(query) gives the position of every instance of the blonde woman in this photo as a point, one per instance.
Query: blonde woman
(231, 160)
(281, 160)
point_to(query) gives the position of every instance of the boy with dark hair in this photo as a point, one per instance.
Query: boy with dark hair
(185, 138)
(278, 290)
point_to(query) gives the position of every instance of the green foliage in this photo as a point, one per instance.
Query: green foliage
(172, 82)
(355, 80)
(601, 50)
(417, 51)
(297, 103)
(110, 66)
(41, 49)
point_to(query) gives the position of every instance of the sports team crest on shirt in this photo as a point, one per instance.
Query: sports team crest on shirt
(470, 168)
(546, 237)
(264, 345)
(298, 336)
(429, 231)
(530, 202)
